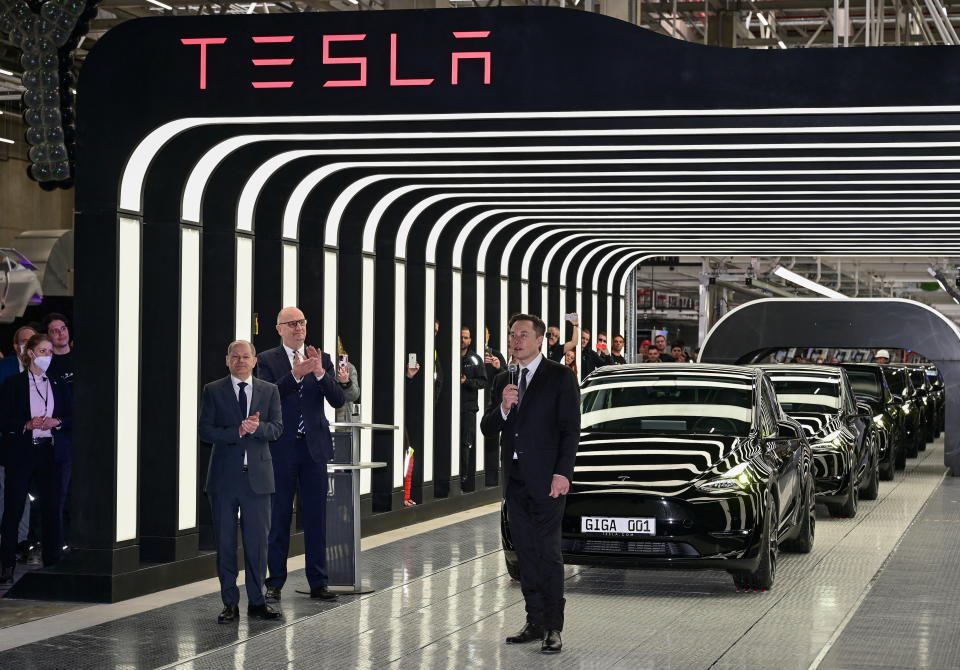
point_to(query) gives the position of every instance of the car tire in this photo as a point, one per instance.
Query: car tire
(888, 467)
(912, 445)
(513, 568)
(803, 542)
(872, 489)
(901, 455)
(762, 578)
(848, 508)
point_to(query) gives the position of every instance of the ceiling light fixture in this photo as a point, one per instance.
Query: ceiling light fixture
(160, 4)
(252, 7)
(6, 72)
(799, 280)
(5, 140)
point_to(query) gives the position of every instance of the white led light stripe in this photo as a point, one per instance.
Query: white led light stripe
(678, 409)
(189, 372)
(810, 399)
(127, 419)
(134, 172)
(243, 309)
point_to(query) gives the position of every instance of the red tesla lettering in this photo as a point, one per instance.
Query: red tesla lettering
(203, 42)
(457, 56)
(272, 62)
(339, 60)
(394, 81)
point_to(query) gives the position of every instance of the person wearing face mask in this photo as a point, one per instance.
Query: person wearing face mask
(35, 418)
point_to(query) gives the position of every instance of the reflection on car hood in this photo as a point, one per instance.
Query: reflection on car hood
(663, 465)
(817, 425)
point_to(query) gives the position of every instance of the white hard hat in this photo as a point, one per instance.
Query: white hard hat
(882, 353)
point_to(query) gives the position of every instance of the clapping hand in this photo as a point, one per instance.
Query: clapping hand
(316, 355)
(250, 424)
(304, 366)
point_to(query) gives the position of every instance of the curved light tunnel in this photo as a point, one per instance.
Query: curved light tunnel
(383, 232)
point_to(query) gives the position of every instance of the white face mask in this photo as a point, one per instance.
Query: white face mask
(43, 362)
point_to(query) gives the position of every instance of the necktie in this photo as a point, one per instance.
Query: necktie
(523, 384)
(242, 399)
(301, 428)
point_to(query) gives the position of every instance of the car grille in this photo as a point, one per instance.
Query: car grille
(633, 547)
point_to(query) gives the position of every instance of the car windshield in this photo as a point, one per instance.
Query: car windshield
(678, 403)
(864, 382)
(807, 393)
(918, 377)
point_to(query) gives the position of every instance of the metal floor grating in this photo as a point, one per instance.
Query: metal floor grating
(444, 600)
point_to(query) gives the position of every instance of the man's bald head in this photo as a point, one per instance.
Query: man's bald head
(292, 327)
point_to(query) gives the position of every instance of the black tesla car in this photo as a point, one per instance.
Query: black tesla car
(939, 393)
(928, 396)
(841, 434)
(898, 380)
(686, 466)
(870, 388)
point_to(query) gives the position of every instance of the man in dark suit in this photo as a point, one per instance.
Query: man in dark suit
(240, 417)
(538, 419)
(305, 377)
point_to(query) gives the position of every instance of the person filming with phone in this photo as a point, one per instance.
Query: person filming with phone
(347, 379)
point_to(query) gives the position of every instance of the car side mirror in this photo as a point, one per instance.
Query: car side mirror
(787, 430)
(864, 411)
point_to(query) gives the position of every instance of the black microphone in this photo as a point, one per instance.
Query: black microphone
(512, 369)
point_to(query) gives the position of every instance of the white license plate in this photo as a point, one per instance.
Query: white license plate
(618, 524)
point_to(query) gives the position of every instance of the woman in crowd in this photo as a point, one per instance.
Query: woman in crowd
(570, 360)
(35, 420)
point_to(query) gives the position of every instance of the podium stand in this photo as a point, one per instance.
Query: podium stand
(343, 508)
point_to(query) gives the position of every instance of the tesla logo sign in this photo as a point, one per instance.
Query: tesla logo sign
(344, 45)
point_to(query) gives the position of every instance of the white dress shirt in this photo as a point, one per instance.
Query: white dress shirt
(41, 400)
(248, 391)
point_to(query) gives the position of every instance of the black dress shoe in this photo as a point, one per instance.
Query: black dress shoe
(552, 644)
(229, 614)
(528, 633)
(264, 611)
(272, 593)
(323, 593)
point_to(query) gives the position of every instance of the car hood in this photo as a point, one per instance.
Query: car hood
(653, 463)
(817, 425)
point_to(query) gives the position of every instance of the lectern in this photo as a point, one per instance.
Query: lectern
(343, 508)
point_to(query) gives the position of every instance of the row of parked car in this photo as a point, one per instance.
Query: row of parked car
(717, 466)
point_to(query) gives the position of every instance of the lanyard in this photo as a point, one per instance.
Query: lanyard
(46, 394)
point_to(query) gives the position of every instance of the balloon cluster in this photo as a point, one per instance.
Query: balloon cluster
(48, 33)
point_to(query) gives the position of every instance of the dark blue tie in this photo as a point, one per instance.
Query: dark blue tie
(242, 399)
(301, 427)
(523, 385)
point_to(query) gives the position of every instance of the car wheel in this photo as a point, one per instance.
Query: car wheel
(762, 578)
(872, 490)
(912, 445)
(803, 542)
(901, 456)
(848, 508)
(513, 568)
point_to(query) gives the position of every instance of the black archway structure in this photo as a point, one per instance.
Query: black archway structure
(855, 322)
(383, 169)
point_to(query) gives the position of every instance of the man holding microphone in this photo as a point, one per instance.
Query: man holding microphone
(535, 410)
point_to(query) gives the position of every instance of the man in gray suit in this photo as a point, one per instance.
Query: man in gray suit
(240, 416)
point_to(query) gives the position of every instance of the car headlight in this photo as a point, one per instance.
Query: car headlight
(734, 479)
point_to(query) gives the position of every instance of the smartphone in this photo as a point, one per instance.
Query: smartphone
(343, 361)
(488, 351)
(572, 316)
(412, 361)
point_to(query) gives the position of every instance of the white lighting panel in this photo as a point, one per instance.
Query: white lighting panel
(189, 381)
(288, 291)
(243, 312)
(454, 374)
(368, 319)
(128, 376)
(427, 370)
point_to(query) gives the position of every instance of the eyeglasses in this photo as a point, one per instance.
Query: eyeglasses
(293, 324)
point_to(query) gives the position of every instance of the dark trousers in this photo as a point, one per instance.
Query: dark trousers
(313, 484)
(468, 451)
(534, 519)
(51, 473)
(254, 525)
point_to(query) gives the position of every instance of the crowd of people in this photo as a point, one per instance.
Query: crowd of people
(36, 408)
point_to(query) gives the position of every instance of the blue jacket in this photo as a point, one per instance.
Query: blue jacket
(220, 425)
(274, 366)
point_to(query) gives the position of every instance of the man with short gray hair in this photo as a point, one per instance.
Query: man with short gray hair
(240, 417)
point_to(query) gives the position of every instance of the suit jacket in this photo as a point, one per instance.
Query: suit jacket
(9, 367)
(274, 366)
(15, 412)
(220, 419)
(544, 430)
